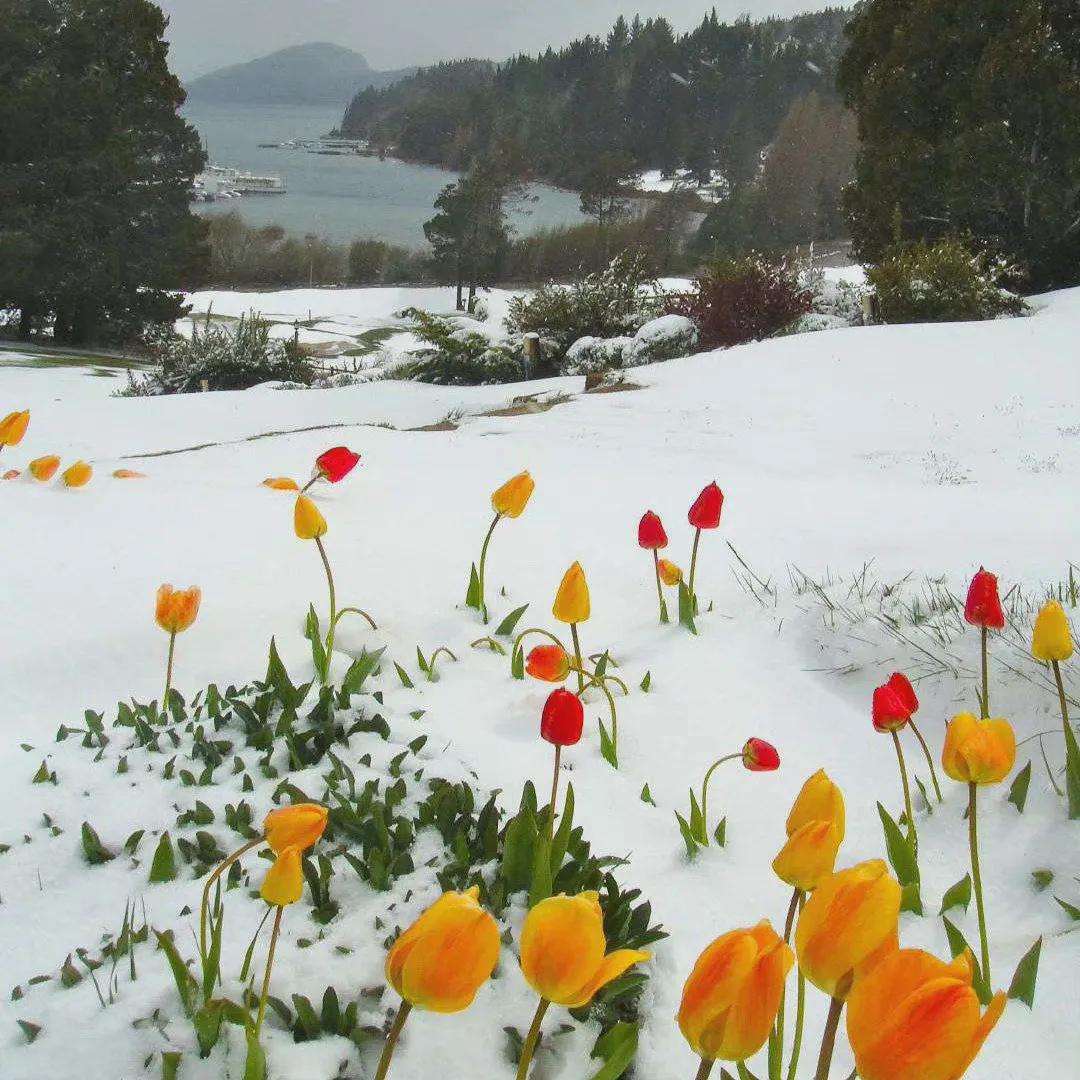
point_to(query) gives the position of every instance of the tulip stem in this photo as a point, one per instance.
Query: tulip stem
(985, 673)
(929, 760)
(356, 611)
(554, 792)
(269, 966)
(577, 656)
(168, 674)
(828, 1039)
(976, 877)
(693, 571)
(392, 1040)
(599, 684)
(219, 870)
(664, 617)
(912, 835)
(800, 1016)
(1070, 745)
(531, 1040)
(483, 564)
(333, 607)
(704, 1069)
(705, 791)
(776, 1043)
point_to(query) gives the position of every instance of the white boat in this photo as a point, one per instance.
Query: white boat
(222, 182)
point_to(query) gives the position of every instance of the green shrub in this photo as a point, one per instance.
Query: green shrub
(456, 355)
(941, 282)
(375, 262)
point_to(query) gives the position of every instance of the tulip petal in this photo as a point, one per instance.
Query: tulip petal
(711, 989)
(754, 1010)
(611, 967)
(562, 945)
(818, 800)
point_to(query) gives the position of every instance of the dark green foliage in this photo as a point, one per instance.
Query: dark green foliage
(456, 355)
(307, 1022)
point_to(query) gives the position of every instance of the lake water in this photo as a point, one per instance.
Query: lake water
(340, 198)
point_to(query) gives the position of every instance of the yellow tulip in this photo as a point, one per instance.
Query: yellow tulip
(308, 520)
(562, 950)
(284, 881)
(670, 574)
(511, 499)
(441, 961)
(176, 609)
(299, 826)
(44, 468)
(848, 925)
(978, 751)
(1052, 639)
(809, 855)
(818, 800)
(916, 1016)
(13, 428)
(730, 1001)
(572, 599)
(78, 475)
(281, 483)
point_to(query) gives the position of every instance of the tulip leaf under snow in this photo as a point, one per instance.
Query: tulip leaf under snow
(1022, 987)
(1018, 792)
(616, 1047)
(506, 627)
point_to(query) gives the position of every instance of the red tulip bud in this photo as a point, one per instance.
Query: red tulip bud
(760, 756)
(650, 533)
(890, 711)
(983, 607)
(563, 719)
(901, 686)
(336, 464)
(705, 513)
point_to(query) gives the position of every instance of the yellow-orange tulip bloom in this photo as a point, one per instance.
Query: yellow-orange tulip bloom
(562, 950)
(176, 609)
(916, 1016)
(284, 881)
(818, 800)
(670, 574)
(572, 599)
(730, 1001)
(1052, 639)
(13, 428)
(128, 474)
(308, 520)
(511, 499)
(299, 826)
(281, 483)
(78, 475)
(848, 925)
(44, 468)
(978, 751)
(809, 855)
(441, 961)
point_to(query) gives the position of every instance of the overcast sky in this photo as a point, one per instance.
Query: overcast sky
(208, 34)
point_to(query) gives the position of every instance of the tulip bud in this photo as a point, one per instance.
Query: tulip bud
(1052, 638)
(176, 609)
(889, 713)
(44, 468)
(901, 686)
(705, 513)
(511, 499)
(983, 606)
(730, 1001)
(280, 483)
(978, 751)
(284, 881)
(760, 756)
(849, 924)
(441, 961)
(563, 719)
(548, 663)
(650, 533)
(809, 856)
(13, 428)
(300, 826)
(915, 1016)
(572, 599)
(128, 474)
(670, 574)
(78, 475)
(336, 464)
(308, 520)
(818, 800)
(562, 950)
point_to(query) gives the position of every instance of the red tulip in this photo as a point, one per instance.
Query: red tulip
(983, 607)
(650, 532)
(760, 756)
(563, 719)
(705, 513)
(548, 662)
(890, 712)
(901, 686)
(336, 464)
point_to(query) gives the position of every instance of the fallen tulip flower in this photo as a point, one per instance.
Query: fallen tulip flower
(670, 574)
(1052, 643)
(704, 514)
(175, 610)
(13, 428)
(44, 468)
(12, 474)
(562, 959)
(651, 537)
(333, 465)
(983, 609)
(128, 474)
(78, 475)
(507, 501)
(280, 483)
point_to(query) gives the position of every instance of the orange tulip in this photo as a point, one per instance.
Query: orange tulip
(13, 428)
(78, 475)
(915, 1016)
(511, 499)
(128, 474)
(441, 961)
(12, 474)
(730, 1001)
(549, 663)
(670, 574)
(281, 483)
(284, 881)
(44, 468)
(307, 520)
(572, 599)
(299, 826)
(849, 923)
(978, 751)
(176, 609)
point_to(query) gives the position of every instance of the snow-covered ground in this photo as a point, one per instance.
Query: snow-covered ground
(889, 454)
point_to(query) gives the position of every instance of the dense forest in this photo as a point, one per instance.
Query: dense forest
(710, 99)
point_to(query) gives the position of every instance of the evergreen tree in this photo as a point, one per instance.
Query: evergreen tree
(603, 192)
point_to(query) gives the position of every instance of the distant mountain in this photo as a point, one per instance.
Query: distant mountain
(314, 74)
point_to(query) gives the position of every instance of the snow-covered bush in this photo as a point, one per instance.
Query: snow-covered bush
(942, 282)
(457, 354)
(664, 338)
(589, 354)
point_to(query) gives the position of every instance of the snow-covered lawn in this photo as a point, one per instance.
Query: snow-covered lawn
(885, 455)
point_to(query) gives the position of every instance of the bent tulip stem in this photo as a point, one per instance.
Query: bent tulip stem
(599, 684)
(333, 606)
(976, 878)
(912, 835)
(828, 1039)
(985, 673)
(664, 617)
(704, 1069)
(218, 871)
(705, 788)
(554, 792)
(269, 967)
(929, 759)
(693, 571)
(483, 564)
(577, 657)
(168, 673)
(392, 1040)
(356, 611)
(531, 1040)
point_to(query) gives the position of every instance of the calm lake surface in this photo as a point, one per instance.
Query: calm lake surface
(340, 198)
